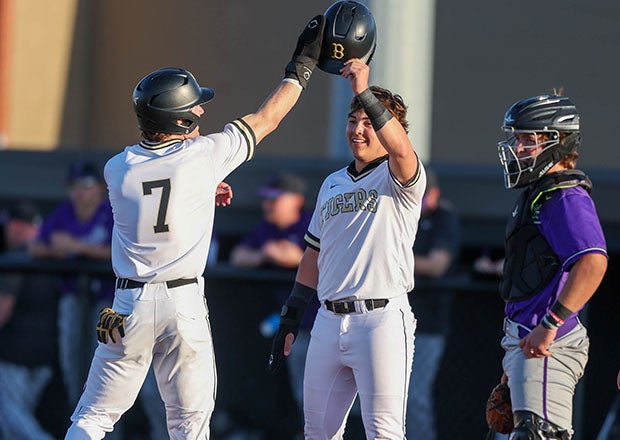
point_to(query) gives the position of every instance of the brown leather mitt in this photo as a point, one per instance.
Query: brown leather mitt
(499, 410)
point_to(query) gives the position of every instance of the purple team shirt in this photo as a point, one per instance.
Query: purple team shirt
(265, 231)
(98, 230)
(569, 222)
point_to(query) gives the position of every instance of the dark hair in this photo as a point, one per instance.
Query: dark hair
(393, 102)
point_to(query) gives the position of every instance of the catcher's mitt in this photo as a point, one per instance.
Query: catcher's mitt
(499, 410)
(109, 320)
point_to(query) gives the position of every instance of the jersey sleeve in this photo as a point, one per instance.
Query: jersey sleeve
(571, 225)
(413, 192)
(231, 147)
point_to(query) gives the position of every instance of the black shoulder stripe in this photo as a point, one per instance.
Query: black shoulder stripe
(415, 177)
(248, 134)
(312, 241)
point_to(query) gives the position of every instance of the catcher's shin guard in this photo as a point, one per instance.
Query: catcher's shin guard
(528, 426)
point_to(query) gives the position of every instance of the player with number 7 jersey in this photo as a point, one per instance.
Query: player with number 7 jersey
(163, 191)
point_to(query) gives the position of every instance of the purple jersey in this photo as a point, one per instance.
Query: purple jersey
(265, 231)
(569, 223)
(97, 230)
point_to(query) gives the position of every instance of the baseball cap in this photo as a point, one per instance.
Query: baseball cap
(282, 183)
(24, 211)
(83, 173)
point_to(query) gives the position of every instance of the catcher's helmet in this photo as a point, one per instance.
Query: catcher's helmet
(350, 32)
(163, 101)
(554, 116)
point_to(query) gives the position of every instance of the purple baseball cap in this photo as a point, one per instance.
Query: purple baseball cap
(84, 174)
(280, 184)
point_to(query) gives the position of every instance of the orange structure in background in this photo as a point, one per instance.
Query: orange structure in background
(5, 45)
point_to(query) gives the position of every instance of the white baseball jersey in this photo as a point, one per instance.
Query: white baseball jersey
(366, 222)
(163, 199)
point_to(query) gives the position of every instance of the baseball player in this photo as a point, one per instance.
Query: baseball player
(359, 261)
(161, 191)
(555, 260)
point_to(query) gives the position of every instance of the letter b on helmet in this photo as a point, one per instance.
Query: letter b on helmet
(350, 32)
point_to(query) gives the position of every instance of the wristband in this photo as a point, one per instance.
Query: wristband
(293, 81)
(556, 316)
(560, 311)
(375, 110)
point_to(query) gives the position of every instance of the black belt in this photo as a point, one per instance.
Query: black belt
(124, 283)
(349, 306)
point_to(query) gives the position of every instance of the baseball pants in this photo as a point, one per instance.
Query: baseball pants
(369, 353)
(545, 385)
(168, 327)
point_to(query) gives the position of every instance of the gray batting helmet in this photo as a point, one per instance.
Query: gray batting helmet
(350, 32)
(163, 101)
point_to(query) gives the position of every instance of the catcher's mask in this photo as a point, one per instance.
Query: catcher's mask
(350, 32)
(163, 101)
(540, 131)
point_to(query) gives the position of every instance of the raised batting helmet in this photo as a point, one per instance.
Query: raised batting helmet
(350, 32)
(553, 116)
(163, 101)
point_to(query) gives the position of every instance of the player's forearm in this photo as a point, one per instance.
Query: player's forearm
(308, 271)
(274, 109)
(96, 251)
(434, 265)
(242, 256)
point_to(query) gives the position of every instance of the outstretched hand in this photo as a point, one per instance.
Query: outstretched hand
(223, 194)
(307, 51)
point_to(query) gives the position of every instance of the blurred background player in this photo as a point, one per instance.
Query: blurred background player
(435, 252)
(278, 241)
(28, 343)
(79, 228)
(555, 259)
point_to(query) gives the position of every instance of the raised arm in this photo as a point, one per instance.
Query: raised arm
(403, 161)
(297, 73)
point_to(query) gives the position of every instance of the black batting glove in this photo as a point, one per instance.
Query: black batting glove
(307, 51)
(109, 320)
(290, 319)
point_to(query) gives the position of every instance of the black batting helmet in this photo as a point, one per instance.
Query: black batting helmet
(350, 32)
(163, 101)
(552, 115)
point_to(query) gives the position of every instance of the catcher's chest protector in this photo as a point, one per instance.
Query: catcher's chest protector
(530, 262)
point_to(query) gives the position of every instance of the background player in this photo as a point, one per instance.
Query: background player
(278, 241)
(161, 191)
(555, 260)
(436, 251)
(359, 260)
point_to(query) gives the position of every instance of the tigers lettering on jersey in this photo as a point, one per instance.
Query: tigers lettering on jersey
(359, 200)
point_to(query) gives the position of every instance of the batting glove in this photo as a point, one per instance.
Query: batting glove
(306, 52)
(109, 320)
